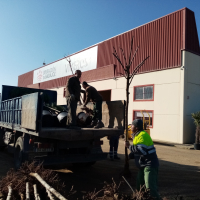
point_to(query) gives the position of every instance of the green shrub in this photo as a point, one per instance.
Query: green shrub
(196, 117)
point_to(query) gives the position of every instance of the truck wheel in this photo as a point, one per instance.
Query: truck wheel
(19, 157)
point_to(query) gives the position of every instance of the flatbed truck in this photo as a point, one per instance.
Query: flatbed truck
(23, 134)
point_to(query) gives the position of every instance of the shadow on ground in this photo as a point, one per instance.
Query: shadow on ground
(174, 179)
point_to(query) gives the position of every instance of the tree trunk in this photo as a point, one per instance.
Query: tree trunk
(127, 172)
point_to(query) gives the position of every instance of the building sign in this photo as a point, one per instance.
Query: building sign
(84, 61)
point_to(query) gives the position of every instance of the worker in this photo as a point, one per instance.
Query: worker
(73, 89)
(93, 95)
(145, 158)
(114, 142)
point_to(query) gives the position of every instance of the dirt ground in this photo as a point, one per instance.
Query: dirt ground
(179, 172)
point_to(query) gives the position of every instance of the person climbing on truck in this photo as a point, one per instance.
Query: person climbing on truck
(73, 90)
(92, 94)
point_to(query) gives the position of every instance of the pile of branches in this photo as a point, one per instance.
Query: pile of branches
(15, 182)
(41, 183)
(111, 191)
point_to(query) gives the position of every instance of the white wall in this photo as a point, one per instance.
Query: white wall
(191, 63)
(165, 105)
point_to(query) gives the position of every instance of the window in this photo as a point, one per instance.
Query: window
(145, 115)
(144, 93)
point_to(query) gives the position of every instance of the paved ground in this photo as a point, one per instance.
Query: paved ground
(179, 172)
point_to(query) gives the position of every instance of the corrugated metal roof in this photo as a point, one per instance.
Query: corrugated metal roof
(162, 40)
(25, 79)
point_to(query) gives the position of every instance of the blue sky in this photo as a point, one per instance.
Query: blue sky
(35, 31)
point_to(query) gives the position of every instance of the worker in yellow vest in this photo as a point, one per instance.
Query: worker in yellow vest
(145, 158)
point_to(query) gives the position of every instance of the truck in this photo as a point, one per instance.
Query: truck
(23, 133)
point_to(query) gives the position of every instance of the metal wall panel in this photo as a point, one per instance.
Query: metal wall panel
(192, 40)
(162, 40)
(25, 79)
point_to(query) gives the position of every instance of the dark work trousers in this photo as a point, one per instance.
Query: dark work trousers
(149, 177)
(114, 141)
(97, 110)
(71, 116)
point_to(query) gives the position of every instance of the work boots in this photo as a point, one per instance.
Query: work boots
(93, 123)
(96, 124)
(99, 124)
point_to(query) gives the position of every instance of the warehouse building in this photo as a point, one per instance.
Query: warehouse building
(167, 87)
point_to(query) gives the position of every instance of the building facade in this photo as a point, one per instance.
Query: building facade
(166, 89)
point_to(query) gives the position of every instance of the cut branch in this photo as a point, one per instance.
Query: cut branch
(37, 197)
(48, 187)
(21, 196)
(9, 193)
(49, 195)
(27, 191)
(128, 184)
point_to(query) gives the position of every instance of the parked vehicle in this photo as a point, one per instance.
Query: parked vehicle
(27, 132)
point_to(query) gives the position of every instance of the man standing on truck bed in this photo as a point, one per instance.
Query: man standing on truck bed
(72, 95)
(92, 94)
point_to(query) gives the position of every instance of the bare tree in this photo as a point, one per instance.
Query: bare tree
(126, 65)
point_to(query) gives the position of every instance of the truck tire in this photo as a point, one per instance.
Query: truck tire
(19, 156)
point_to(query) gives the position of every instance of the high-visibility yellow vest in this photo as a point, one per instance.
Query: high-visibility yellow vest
(143, 138)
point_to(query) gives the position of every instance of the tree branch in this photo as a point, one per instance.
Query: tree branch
(131, 50)
(123, 55)
(134, 55)
(136, 69)
(116, 56)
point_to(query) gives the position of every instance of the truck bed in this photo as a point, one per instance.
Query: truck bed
(25, 114)
(78, 134)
